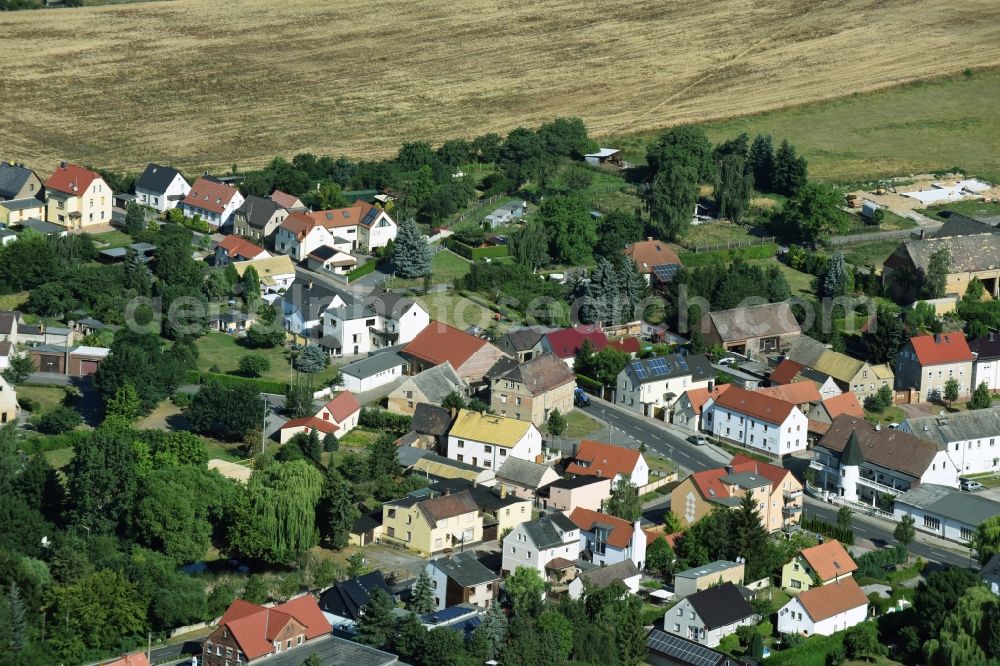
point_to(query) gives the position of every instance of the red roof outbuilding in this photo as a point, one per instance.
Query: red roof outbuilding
(439, 342)
(566, 341)
(210, 195)
(603, 460)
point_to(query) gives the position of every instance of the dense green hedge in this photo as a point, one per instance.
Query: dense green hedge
(263, 385)
(39, 443)
(379, 419)
(873, 563)
(692, 259)
(475, 253)
(845, 537)
(589, 385)
(812, 652)
(362, 271)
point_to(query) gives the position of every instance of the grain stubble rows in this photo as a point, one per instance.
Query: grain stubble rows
(204, 84)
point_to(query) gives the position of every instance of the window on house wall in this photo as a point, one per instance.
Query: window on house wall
(931, 522)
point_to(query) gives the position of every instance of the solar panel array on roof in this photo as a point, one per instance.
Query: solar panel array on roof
(688, 652)
(446, 614)
(665, 272)
(639, 368)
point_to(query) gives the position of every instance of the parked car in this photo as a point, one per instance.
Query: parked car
(697, 440)
(971, 486)
(580, 398)
(729, 360)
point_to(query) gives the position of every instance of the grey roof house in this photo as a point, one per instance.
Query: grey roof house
(665, 649)
(754, 330)
(430, 386)
(372, 372)
(708, 616)
(161, 187)
(460, 578)
(522, 343)
(258, 217)
(343, 602)
(18, 182)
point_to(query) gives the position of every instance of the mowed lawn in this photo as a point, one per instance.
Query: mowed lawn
(224, 352)
(621, 66)
(976, 209)
(916, 128)
(446, 268)
(45, 397)
(869, 254)
(454, 310)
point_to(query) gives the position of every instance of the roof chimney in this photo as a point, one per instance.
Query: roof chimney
(62, 164)
(729, 469)
(503, 491)
(649, 238)
(937, 338)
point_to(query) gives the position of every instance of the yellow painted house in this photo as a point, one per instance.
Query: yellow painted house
(429, 526)
(77, 198)
(820, 565)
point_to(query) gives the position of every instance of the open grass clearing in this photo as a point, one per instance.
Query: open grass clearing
(917, 128)
(800, 283)
(446, 268)
(113, 238)
(719, 232)
(974, 209)
(225, 351)
(891, 414)
(447, 78)
(13, 301)
(455, 310)
(579, 425)
(44, 397)
(58, 458)
(227, 452)
(869, 254)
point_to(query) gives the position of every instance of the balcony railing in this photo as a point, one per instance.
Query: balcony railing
(791, 510)
(388, 336)
(793, 494)
(880, 486)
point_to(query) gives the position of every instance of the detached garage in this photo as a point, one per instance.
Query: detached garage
(72, 361)
(84, 361)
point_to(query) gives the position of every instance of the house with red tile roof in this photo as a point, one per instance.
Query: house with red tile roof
(565, 341)
(247, 632)
(609, 539)
(134, 659)
(300, 234)
(927, 362)
(609, 461)
(337, 417)
(77, 198)
(827, 563)
(802, 394)
(287, 201)
(628, 344)
(233, 248)
(756, 421)
(789, 371)
(366, 226)
(823, 413)
(213, 200)
(775, 490)
(654, 260)
(687, 409)
(470, 356)
(824, 610)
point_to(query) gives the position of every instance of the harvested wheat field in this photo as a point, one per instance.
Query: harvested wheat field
(201, 83)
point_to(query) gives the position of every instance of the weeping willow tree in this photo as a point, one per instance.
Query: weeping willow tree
(276, 521)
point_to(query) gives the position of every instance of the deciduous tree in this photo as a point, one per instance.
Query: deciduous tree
(732, 194)
(275, 520)
(624, 500)
(254, 365)
(672, 200)
(934, 281)
(904, 532)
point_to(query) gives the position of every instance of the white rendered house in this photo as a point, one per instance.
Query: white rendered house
(487, 440)
(161, 187)
(824, 610)
(756, 421)
(534, 544)
(971, 439)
